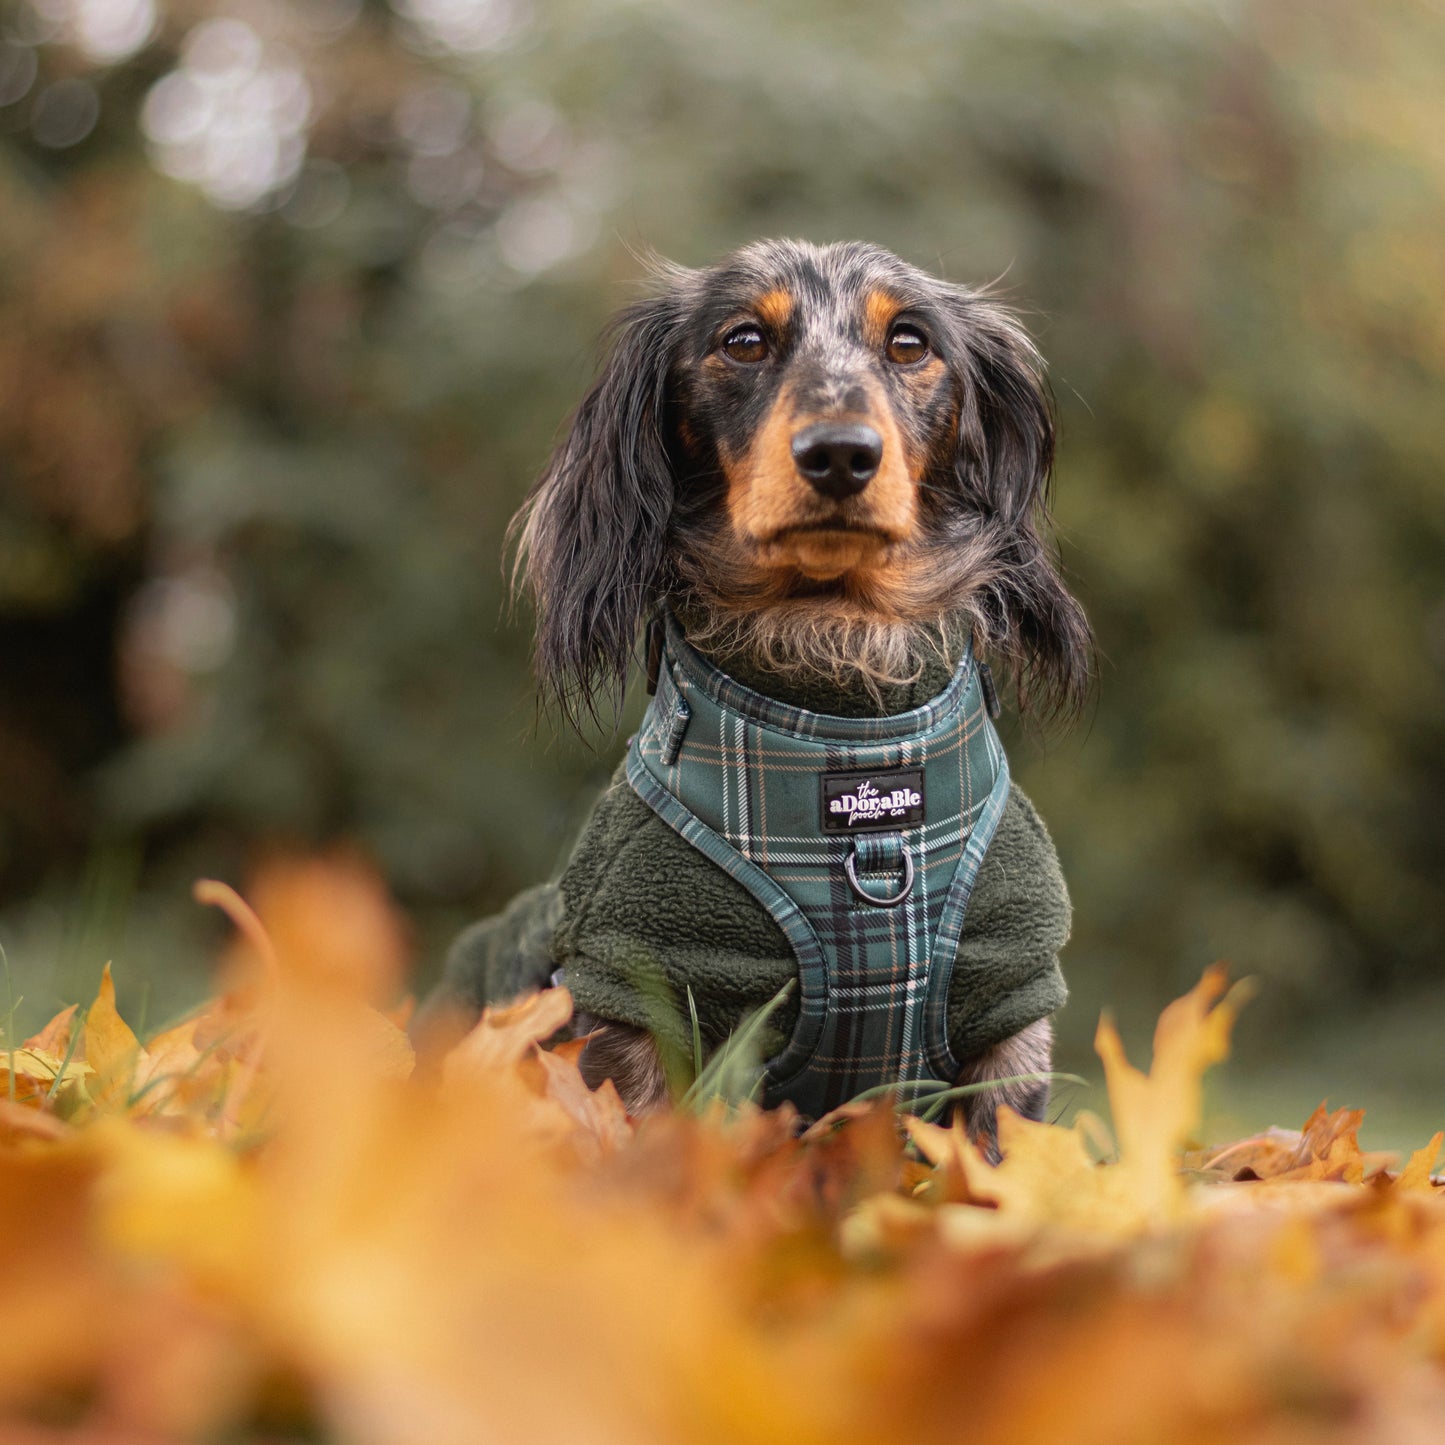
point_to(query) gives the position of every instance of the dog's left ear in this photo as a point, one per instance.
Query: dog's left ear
(1004, 461)
(591, 535)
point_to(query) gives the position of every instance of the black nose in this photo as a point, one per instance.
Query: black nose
(838, 458)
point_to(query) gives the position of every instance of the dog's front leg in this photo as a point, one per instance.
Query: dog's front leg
(1028, 1052)
(628, 1056)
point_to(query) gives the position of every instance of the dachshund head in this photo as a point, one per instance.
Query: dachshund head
(821, 454)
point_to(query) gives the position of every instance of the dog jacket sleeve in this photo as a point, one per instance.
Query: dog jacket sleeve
(502, 957)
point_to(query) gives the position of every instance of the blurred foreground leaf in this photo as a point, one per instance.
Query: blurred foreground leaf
(261, 1221)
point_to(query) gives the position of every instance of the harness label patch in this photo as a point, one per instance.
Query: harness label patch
(882, 801)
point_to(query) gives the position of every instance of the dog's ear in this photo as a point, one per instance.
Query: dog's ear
(1004, 461)
(591, 535)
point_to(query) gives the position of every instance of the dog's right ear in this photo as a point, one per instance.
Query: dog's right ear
(591, 536)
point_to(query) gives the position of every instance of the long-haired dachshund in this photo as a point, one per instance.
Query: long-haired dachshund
(816, 477)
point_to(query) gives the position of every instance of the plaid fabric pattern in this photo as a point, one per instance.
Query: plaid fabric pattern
(738, 775)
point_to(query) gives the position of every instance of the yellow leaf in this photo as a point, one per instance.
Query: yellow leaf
(182, 1198)
(1416, 1173)
(54, 1038)
(168, 1072)
(1155, 1114)
(111, 1049)
(32, 1075)
(35, 1064)
(1048, 1175)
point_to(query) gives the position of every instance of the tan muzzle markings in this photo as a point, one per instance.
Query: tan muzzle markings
(792, 524)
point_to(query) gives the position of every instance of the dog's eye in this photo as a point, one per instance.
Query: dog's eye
(906, 344)
(745, 343)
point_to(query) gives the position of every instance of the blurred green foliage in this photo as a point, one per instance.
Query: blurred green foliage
(294, 297)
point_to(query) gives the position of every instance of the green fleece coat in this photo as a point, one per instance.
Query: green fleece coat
(639, 916)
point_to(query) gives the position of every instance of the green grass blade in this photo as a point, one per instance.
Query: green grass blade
(915, 1086)
(940, 1101)
(734, 1073)
(77, 1026)
(696, 1035)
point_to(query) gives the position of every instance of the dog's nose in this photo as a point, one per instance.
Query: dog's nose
(838, 458)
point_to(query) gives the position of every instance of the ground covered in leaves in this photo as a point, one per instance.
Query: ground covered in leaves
(266, 1224)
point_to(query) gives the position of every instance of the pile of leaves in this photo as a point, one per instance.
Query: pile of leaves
(266, 1222)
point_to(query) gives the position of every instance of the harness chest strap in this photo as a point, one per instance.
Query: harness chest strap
(862, 837)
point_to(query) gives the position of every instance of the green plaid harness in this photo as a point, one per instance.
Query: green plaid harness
(862, 838)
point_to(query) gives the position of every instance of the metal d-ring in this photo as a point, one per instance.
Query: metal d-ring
(866, 896)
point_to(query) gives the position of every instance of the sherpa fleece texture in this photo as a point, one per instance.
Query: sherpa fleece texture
(640, 915)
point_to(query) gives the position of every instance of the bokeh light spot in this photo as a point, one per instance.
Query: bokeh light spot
(232, 119)
(220, 50)
(319, 196)
(535, 234)
(529, 137)
(111, 30)
(65, 113)
(444, 182)
(465, 25)
(433, 119)
(18, 67)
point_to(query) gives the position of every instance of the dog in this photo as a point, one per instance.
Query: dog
(818, 478)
